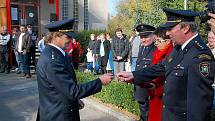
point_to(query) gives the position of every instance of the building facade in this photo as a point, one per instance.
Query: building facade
(90, 14)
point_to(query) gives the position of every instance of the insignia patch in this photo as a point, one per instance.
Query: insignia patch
(205, 56)
(204, 68)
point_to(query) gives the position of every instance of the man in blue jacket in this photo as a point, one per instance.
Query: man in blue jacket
(59, 93)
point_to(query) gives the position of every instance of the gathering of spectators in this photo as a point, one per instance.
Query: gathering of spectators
(19, 45)
(105, 54)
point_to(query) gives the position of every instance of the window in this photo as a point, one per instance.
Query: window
(65, 9)
(86, 17)
(75, 13)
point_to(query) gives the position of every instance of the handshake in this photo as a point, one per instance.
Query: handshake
(121, 76)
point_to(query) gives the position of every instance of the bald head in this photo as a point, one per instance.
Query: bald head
(3, 29)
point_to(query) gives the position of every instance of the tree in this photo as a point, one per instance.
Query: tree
(132, 12)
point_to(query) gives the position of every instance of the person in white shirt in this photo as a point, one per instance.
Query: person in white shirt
(90, 60)
(4, 50)
(23, 49)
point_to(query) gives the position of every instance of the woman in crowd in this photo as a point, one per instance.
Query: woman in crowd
(164, 47)
(110, 66)
(103, 47)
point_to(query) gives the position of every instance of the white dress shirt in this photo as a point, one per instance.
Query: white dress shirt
(20, 42)
(188, 41)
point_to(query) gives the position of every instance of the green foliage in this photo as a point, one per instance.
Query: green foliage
(191, 5)
(132, 12)
(116, 93)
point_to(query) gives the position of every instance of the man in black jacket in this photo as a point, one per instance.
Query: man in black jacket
(120, 48)
(59, 92)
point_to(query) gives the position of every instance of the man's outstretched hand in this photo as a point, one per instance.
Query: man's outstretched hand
(125, 77)
(106, 78)
(211, 22)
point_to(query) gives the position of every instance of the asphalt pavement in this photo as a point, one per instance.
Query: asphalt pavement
(19, 102)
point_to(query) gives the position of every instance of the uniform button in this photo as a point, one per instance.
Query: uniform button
(165, 82)
(164, 94)
(71, 110)
(164, 106)
(184, 113)
(176, 74)
(138, 65)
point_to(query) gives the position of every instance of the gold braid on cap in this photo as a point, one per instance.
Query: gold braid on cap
(145, 32)
(176, 21)
(66, 30)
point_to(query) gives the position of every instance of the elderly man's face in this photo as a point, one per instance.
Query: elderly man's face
(147, 41)
(211, 39)
(176, 34)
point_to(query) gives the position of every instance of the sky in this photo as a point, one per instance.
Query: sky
(112, 6)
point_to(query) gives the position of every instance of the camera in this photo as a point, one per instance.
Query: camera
(210, 9)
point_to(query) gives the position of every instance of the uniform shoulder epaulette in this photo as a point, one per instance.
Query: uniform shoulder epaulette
(204, 56)
(199, 45)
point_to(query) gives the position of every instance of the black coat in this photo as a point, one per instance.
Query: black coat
(120, 47)
(144, 59)
(188, 93)
(58, 89)
(103, 60)
(91, 44)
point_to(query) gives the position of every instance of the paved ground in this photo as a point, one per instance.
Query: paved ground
(19, 101)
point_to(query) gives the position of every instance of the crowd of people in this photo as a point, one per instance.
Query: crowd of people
(21, 44)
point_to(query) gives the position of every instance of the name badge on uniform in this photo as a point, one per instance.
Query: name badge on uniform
(204, 68)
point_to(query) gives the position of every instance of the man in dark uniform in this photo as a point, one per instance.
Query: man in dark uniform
(144, 60)
(189, 71)
(4, 50)
(59, 92)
